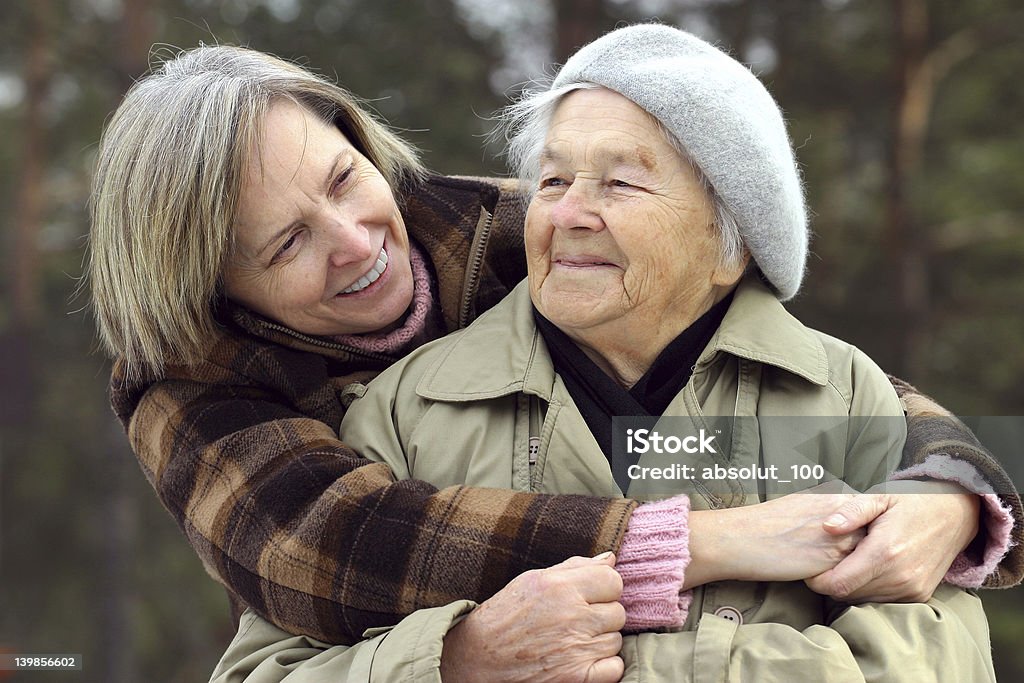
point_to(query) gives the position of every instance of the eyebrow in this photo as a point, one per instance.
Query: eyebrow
(642, 156)
(286, 229)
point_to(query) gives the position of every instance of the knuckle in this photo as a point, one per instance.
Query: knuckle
(842, 501)
(840, 588)
(604, 671)
(609, 576)
(919, 590)
(911, 585)
(846, 545)
(540, 580)
(889, 555)
(616, 581)
(904, 578)
(867, 506)
(841, 552)
(853, 511)
(575, 561)
(532, 576)
(618, 618)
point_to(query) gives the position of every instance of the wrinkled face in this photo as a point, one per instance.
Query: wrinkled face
(620, 231)
(320, 245)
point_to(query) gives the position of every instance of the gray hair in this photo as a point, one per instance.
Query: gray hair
(167, 185)
(525, 123)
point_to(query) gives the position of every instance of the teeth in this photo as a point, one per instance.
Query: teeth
(371, 276)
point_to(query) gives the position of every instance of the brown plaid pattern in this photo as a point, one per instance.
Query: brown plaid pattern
(933, 429)
(243, 452)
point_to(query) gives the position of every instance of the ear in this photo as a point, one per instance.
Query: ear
(728, 274)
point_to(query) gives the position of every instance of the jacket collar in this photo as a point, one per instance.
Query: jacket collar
(516, 359)
(756, 327)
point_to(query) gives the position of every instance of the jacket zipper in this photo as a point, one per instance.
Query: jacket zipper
(326, 344)
(715, 501)
(472, 280)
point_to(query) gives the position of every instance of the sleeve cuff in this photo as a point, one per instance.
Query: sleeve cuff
(997, 520)
(652, 562)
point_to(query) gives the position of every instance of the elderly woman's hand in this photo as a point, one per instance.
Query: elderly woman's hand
(556, 624)
(915, 529)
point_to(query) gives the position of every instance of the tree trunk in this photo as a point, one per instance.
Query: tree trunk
(120, 507)
(908, 246)
(577, 22)
(24, 256)
(119, 510)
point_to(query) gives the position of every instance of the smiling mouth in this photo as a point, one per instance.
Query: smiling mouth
(582, 263)
(370, 276)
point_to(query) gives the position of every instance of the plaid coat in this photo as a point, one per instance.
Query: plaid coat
(243, 451)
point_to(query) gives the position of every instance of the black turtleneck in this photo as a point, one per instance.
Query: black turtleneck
(599, 398)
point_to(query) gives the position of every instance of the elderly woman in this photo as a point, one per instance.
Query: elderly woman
(249, 261)
(661, 169)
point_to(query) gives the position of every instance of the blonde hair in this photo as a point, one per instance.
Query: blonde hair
(167, 185)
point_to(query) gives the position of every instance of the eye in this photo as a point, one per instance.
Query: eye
(620, 183)
(340, 180)
(287, 247)
(552, 182)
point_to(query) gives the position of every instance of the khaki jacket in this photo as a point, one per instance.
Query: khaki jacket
(465, 409)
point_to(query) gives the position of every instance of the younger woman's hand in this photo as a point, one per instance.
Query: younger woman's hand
(778, 540)
(915, 530)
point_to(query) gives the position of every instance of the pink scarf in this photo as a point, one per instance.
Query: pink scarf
(420, 325)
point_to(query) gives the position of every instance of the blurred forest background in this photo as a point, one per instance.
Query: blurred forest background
(908, 116)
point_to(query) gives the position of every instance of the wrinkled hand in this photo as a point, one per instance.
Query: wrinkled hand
(779, 540)
(556, 624)
(913, 536)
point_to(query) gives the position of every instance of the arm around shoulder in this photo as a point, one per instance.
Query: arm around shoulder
(290, 518)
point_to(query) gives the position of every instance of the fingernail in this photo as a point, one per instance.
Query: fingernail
(603, 556)
(835, 520)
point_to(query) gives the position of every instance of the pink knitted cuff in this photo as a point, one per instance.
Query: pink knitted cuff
(398, 340)
(997, 520)
(652, 562)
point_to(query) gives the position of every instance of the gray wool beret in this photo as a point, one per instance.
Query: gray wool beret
(726, 121)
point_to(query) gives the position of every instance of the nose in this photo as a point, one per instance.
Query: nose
(578, 207)
(347, 241)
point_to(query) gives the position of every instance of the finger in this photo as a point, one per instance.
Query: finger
(605, 645)
(848, 542)
(855, 513)
(607, 617)
(579, 561)
(596, 583)
(899, 584)
(852, 573)
(607, 670)
(821, 583)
